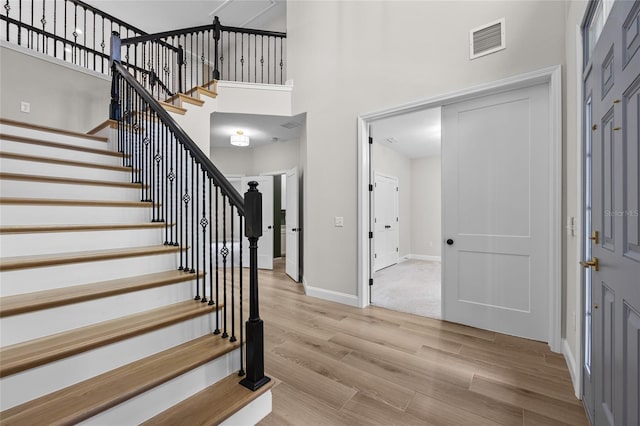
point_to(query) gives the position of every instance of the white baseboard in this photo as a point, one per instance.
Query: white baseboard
(330, 295)
(574, 368)
(424, 257)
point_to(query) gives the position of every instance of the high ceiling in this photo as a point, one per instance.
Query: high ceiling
(414, 134)
(164, 15)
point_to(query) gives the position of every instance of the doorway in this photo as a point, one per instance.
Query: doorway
(551, 77)
(406, 213)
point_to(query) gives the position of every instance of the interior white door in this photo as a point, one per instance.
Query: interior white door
(293, 226)
(495, 152)
(265, 243)
(385, 220)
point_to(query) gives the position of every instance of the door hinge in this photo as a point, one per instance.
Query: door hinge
(397, 249)
(370, 187)
(370, 140)
(370, 281)
(396, 189)
(370, 234)
(375, 256)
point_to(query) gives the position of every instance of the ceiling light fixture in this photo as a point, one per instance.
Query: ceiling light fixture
(240, 139)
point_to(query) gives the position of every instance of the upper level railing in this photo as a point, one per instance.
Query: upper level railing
(165, 63)
(191, 57)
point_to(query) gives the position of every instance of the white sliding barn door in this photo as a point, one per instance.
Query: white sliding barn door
(496, 212)
(265, 243)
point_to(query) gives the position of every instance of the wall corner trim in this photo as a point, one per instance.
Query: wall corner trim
(574, 368)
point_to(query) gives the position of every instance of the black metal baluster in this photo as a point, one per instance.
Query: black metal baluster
(75, 33)
(185, 215)
(211, 245)
(241, 273)
(208, 55)
(20, 22)
(29, 31)
(255, 58)
(43, 21)
(261, 59)
(158, 160)
(102, 45)
(281, 61)
(242, 57)
(218, 253)
(194, 219)
(55, 23)
(221, 69)
(94, 41)
(268, 59)
(84, 38)
(225, 252)
(235, 56)
(7, 8)
(203, 223)
(233, 280)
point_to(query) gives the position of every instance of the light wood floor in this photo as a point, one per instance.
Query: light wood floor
(337, 365)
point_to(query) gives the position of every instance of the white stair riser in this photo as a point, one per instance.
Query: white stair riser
(60, 153)
(10, 165)
(156, 400)
(47, 278)
(63, 242)
(27, 385)
(8, 129)
(252, 413)
(63, 191)
(33, 325)
(15, 214)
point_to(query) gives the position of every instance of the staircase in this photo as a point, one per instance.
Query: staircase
(98, 324)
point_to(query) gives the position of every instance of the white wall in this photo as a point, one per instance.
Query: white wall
(366, 56)
(391, 163)
(426, 206)
(61, 95)
(268, 158)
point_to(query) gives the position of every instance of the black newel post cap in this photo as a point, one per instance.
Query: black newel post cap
(253, 211)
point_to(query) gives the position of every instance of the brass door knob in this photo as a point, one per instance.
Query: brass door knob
(595, 237)
(591, 263)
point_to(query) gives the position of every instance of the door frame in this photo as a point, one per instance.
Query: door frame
(552, 76)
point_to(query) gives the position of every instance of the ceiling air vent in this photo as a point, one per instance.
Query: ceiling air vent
(487, 39)
(291, 125)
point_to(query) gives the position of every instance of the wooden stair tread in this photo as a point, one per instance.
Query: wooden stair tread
(206, 92)
(62, 202)
(51, 129)
(30, 354)
(173, 108)
(182, 98)
(67, 180)
(227, 396)
(36, 159)
(107, 123)
(59, 145)
(41, 260)
(46, 299)
(83, 400)
(34, 229)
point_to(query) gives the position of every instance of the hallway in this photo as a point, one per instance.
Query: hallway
(339, 365)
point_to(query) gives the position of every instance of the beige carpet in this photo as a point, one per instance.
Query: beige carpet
(412, 286)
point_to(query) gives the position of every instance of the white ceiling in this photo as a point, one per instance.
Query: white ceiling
(261, 129)
(155, 16)
(413, 135)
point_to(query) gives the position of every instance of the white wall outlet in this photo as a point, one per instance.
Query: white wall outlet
(339, 221)
(25, 107)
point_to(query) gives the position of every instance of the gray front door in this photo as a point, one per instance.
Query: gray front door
(612, 103)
